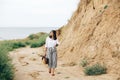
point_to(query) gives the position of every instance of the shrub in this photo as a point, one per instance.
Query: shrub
(40, 42)
(96, 69)
(7, 45)
(105, 7)
(11, 45)
(34, 45)
(6, 71)
(33, 36)
(27, 43)
(83, 63)
(18, 45)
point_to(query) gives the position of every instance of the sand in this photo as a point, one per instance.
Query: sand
(28, 66)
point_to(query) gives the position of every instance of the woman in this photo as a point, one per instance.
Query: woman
(51, 52)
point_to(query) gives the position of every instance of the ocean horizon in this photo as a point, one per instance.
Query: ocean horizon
(10, 33)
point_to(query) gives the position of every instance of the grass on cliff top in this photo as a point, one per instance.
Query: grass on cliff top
(36, 41)
(33, 40)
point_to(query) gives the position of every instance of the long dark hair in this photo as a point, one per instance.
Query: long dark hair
(54, 34)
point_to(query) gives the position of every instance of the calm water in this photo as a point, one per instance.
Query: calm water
(19, 33)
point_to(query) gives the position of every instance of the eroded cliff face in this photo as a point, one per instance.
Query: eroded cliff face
(93, 33)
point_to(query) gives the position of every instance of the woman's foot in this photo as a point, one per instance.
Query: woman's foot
(49, 70)
(52, 71)
(53, 74)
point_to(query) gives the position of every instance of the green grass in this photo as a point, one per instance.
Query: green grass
(38, 43)
(106, 6)
(96, 69)
(6, 68)
(33, 36)
(11, 45)
(67, 77)
(18, 45)
(84, 63)
(36, 36)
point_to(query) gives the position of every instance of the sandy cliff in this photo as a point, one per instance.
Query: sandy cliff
(93, 33)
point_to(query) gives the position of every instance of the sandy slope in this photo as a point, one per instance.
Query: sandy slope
(93, 33)
(28, 66)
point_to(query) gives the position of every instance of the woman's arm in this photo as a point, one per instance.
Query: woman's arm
(45, 50)
(57, 43)
(45, 46)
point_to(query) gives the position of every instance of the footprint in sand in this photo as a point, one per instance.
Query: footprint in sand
(22, 57)
(23, 63)
(67, 77)
(15, 69)
(58, 72)
(35, 75)
(33, 59)
(41, 71)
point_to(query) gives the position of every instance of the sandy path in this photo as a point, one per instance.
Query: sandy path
(28, 66)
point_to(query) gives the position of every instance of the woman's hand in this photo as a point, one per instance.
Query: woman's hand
(56, 45)
(45, 54)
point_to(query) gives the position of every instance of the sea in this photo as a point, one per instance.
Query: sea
(10, 33)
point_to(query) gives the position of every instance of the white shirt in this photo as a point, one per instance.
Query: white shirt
(50, 42)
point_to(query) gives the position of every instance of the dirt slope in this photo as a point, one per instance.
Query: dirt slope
(93, 33)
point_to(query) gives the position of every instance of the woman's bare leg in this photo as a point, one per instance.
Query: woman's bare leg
(53, 70)
(49, 70)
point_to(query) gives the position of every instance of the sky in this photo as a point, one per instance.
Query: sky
(36, 13)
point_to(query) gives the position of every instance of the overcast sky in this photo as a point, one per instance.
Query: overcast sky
(36, 13)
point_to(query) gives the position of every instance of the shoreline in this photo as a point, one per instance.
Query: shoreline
(14, 33)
